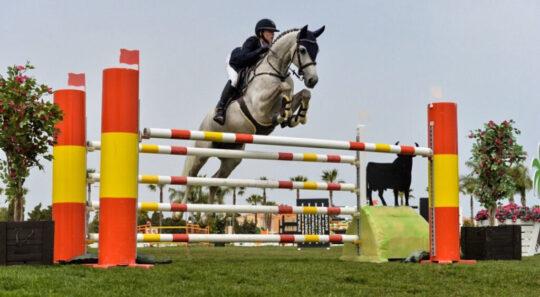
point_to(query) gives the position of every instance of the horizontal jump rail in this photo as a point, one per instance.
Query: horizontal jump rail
(281, 238)
(229, 182)
(212, 208)
(286, 141)
(223, 153)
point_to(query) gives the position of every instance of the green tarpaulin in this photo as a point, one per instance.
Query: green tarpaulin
(387, 233)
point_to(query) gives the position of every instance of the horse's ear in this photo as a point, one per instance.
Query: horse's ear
(318, 32)
(303, 32)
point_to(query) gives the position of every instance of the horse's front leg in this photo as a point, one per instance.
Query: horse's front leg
(284, 92)
(300, 101)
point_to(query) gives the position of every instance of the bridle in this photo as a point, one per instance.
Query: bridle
(278, 73)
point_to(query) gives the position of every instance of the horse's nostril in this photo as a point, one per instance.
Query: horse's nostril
(312, 81)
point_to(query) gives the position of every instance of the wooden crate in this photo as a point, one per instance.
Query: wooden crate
(491, 243)
(26, 243)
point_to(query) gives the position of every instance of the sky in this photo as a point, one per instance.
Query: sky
(377, 56)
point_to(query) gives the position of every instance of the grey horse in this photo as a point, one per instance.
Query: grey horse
(266, 100)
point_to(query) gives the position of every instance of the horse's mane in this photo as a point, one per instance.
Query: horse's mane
(283, 34)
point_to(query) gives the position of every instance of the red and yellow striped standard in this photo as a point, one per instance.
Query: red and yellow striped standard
(69, 176)
(119, 167)
(444, 183)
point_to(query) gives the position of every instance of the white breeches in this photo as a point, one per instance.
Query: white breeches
(233, 75)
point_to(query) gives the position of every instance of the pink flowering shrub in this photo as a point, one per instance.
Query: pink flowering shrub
(512, 212)
(27, 121)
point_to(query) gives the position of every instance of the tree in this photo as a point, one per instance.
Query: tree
(536, 166)
(494, 153)
(468, 185)
(520, 173)
(221, 192)
(38, 214)
(28, 129)
(254, 199)
(330, 176)
(4, 217)
(154, 188)
(298, 178)
(93, 227)
(401, 195)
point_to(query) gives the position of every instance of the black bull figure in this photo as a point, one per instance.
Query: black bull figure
(395, 175)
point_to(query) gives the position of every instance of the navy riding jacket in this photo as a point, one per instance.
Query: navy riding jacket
(247, 55)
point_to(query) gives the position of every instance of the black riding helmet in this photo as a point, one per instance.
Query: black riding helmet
(265, 24)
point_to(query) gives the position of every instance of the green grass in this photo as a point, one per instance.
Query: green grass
(273, 271)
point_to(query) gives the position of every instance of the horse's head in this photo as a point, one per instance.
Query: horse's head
(305, 55)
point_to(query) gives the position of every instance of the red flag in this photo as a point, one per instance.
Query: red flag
(76, 80)
(129, 57)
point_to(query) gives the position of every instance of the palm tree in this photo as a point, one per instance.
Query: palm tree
(523, 181)
(153, 188)
(254, 199)
(467, 186)
(536, 166)
(330, 176)
(221, 193)
(264, 200)
(298, 178)
(401, 195)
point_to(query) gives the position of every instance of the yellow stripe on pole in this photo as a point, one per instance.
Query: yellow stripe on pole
(149, 179)
(445, 180)
(69, 174)
(119, 165)
(150, 148)
(311, 238)
(149, 206)
(151, 237)
(310, 209)
(213, 136)
(310, 185)
(310, 157)
(381, 147)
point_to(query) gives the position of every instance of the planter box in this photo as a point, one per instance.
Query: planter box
(491, 243)
(530, 235)
(26, 243)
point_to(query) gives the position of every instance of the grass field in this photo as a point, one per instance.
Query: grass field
(273, 271)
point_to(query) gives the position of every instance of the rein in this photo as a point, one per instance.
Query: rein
(277, 73)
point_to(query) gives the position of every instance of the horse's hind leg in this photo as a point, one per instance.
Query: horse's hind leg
(198, 163)
(225, 169)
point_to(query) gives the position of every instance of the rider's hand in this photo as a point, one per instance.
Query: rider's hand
(264, 49)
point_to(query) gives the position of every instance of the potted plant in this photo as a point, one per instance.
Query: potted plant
(494, 153)
(513, 214)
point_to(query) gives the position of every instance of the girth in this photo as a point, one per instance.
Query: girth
(259, 128)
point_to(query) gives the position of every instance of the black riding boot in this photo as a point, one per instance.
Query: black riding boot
(226, 96)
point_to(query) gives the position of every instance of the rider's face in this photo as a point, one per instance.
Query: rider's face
(268, 35)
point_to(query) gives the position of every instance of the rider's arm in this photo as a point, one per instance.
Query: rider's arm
(249, 54)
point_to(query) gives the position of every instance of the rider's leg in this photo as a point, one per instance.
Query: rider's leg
(226, 94)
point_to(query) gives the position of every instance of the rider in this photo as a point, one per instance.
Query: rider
(243, 57)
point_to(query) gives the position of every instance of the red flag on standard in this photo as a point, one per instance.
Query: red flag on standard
(76, 80)
(129, 57)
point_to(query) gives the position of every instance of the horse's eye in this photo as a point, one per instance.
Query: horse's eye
(303, 51)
